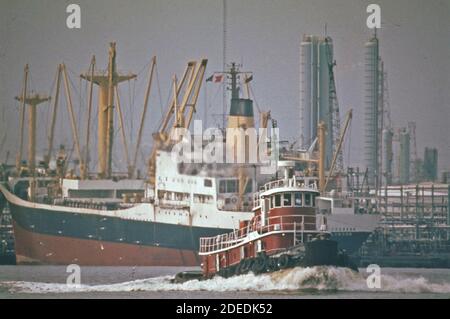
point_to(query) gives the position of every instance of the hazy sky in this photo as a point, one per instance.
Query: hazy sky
(264, 35)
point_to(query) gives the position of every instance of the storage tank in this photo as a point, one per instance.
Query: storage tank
(315, 55)
(430, 164)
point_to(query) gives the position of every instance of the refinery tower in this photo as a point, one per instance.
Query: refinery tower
(373, 117)
(317, 91)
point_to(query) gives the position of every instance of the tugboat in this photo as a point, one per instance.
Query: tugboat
(283, 233)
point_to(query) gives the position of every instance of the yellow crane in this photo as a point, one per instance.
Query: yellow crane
(178, 115)
(320, 161)
(348, 119)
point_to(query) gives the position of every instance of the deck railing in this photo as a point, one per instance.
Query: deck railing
(298, 224)
(300, 183)
(303, 182)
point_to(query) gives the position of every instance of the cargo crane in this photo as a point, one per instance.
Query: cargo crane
(334, 109)
(320, 161)
(178, 116)
(339, 147)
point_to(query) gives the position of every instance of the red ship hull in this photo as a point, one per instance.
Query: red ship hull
(34, 248)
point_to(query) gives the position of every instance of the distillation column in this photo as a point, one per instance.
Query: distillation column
(372, 116)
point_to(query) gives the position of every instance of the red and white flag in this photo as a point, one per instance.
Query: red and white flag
(216, 78)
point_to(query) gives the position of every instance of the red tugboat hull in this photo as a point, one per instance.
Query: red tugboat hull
(318, 252)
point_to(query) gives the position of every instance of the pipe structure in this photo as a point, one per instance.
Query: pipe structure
(448, 206)
(321, 135)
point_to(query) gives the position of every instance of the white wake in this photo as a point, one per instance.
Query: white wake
(297, 279)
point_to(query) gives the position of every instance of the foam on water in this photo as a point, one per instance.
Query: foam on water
(297, 279)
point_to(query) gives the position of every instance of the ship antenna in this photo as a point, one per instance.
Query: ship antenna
(224, 62)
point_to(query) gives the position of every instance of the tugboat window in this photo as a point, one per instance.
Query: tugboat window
(222, 187)
(298, 199)
(313, 200)
(277, 200)
(307, 199)
(287, 199)
(231, 186)
(248, 187)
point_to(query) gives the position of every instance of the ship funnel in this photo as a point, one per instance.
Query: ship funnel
(241, 110)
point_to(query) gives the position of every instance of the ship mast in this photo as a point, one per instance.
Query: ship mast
(88, 120)
(32, 101)
(107, 84)
(22, 117)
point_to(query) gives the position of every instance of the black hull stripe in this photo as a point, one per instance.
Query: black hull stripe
(350, 241)
(111, 229)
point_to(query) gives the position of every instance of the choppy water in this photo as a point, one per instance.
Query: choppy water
(154, 282)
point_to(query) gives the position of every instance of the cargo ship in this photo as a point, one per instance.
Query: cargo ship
(161, 230)
(59, 217)
(348, 225)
